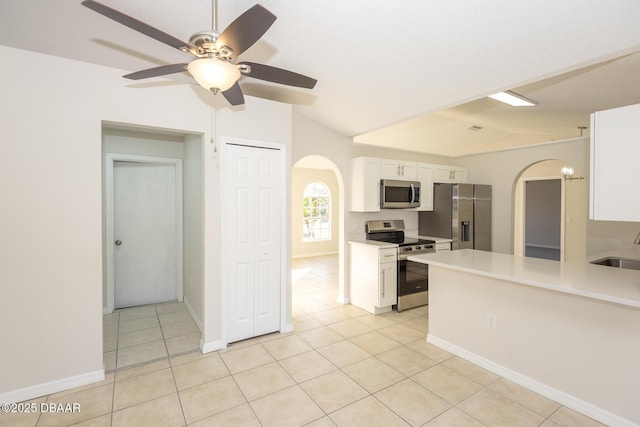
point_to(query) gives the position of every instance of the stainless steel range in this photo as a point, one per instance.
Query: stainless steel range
(413, 277)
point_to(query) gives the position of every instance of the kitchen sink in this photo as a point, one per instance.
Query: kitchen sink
(631, 264)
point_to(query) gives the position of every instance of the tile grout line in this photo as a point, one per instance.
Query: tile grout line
(175, 384)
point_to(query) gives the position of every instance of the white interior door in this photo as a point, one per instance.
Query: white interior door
(144, 233)
(253, 194)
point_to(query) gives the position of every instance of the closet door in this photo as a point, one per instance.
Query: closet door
(253, 191)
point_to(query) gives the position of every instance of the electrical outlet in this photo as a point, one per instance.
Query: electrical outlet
(492, 320)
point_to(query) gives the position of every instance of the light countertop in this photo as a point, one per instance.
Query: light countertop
(373, 243)
(593, 281)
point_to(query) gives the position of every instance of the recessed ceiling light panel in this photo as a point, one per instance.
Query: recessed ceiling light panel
(513, 99)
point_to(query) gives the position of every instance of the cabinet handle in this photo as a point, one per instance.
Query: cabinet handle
(383, 286)
(402, 170)
(398, 170)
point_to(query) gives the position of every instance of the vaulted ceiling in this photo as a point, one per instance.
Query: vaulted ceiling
(411, 75)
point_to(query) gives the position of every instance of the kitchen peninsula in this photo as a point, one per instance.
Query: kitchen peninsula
(567, 331)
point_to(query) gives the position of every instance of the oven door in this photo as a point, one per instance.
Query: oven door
(413, 277)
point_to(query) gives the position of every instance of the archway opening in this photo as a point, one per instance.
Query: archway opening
(549, 213)
(320, 215)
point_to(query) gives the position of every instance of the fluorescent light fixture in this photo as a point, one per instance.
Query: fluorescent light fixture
(513, 99)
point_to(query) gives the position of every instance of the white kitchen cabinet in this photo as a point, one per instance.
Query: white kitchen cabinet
(425, 176)
(449, 174)
(396, 169)
(387, 284)
(373, 277)
(365, 184)
(614, 165)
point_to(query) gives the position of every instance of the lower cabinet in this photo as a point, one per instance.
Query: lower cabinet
(387, 284)
(374, 272)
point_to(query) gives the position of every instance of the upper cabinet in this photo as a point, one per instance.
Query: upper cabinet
(365, 184)
(395, 169)
(614, 164)
(425, 176)
(366, 173)
(450, 174)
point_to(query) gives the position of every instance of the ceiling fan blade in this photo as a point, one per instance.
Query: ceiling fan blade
(245, 30)
(134, 24)
(234, 95)
(278, 75)
(157, 71)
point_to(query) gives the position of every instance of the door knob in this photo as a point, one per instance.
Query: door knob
(118, 242)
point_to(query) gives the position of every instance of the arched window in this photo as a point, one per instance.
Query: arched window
(316, 212)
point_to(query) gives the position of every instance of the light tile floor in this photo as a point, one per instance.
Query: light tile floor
(139, 335)
(340, 367)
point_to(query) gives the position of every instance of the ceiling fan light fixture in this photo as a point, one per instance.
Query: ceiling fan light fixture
(213, 73)
(513, 99)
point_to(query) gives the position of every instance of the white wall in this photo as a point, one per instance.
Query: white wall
(143, 143)
(502, 170)
(300, 178)
(51, 222)
(613, 235)
(193, 226)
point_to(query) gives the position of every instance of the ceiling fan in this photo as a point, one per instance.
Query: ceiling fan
(214, 67)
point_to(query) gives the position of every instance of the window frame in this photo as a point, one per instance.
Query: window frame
(311, 219)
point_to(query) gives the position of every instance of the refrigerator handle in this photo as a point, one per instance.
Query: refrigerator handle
(464, 231)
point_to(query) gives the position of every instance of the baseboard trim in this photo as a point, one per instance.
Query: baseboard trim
(51, 387)
(297, 256)
(552, 393)
(208, 347)
(287, 328)
(344, 300)
(193, 314)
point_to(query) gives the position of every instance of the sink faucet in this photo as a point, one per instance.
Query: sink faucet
(637, 241)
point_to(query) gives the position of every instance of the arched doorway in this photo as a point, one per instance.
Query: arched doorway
(305, 172)
(549, 213)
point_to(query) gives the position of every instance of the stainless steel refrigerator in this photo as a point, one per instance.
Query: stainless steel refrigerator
(461, 212)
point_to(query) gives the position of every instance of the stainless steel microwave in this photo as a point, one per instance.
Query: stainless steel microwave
(397, 194)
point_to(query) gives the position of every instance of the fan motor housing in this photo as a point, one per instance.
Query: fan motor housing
(203, 45)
